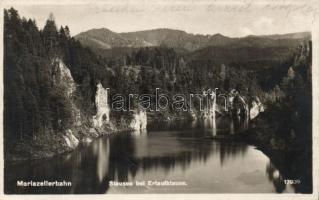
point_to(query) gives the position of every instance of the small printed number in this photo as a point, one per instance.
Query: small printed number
(291, 182)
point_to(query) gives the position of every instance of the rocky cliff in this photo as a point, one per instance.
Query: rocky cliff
(256, 108)
(139, 121)
(62, 78)
(104, 123)
(102, 108)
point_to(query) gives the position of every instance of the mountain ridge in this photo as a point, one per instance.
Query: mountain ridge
(104, 38)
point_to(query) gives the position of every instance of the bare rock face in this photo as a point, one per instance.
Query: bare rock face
(139, 121)
(103, 110)
(71, 141)
(63, 78)
(256, 108)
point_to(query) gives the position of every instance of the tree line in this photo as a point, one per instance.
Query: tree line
(34, 105)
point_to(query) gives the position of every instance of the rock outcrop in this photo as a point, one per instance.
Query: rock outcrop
(63, 78)
(102, 108)
(102, 117)
(71, 141)
(256, 108)
(139, 121)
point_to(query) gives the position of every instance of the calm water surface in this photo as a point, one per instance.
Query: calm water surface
(172, 152)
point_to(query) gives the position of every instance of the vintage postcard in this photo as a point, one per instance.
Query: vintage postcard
(158, 99)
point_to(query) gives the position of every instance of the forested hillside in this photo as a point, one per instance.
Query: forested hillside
(34, 104)
(102, 39)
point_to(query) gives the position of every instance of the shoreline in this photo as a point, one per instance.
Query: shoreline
(49, 147)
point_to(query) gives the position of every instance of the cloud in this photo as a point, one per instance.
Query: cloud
(260, 26)
(244, 31)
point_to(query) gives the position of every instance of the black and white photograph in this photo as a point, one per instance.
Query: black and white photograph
(159, 97)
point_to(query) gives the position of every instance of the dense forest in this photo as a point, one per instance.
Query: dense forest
(34, 105)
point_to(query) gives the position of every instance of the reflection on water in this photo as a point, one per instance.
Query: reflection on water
(103, 159)
(167, 151)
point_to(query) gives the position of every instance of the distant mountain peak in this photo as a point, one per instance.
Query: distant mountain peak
(218, 35)
(103, 38)
(106, 30)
